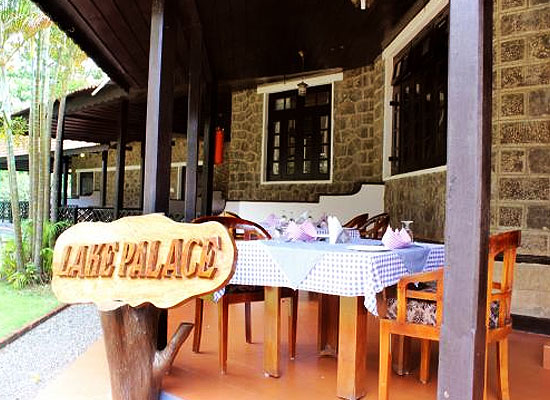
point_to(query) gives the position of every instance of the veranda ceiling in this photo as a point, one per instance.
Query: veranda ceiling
(245, 39)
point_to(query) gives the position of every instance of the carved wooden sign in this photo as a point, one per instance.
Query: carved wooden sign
(143, 259)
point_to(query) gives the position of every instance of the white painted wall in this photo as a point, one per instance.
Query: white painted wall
(370, 198)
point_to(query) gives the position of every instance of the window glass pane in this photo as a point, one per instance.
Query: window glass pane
(292, 141)
(276, 155)
(307, 153)
(322, 98)
(324, 135)
(290, 102)
(277, 127)
(275, 168)
(290, 168)
(276, 141)
(291, 126)
(323, 167)
(324, 122)
(291, 152)
(279, 104)
(307, 167)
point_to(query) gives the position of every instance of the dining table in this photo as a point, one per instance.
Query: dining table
(355, 271)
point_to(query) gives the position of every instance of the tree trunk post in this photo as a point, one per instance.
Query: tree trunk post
(136, 366)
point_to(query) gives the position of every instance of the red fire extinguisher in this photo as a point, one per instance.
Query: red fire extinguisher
(218, 146)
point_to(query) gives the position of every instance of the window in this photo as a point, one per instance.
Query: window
(419, 126)
(299, 135)
(86, 184)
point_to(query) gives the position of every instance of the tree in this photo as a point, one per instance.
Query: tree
(70, 59)
(17, 25)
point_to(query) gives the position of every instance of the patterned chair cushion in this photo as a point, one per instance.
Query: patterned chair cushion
(424, 312)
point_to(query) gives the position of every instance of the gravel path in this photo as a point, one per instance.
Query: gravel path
(30, 362)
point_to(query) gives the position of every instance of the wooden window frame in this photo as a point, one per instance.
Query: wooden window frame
(419, 126)
(299, 113)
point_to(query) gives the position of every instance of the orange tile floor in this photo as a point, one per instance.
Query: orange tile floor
(196, 377)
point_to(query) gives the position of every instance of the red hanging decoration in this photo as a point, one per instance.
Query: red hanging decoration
(218, 146)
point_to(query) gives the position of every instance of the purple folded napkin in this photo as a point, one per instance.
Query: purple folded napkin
(396, 239)
(304, 232)
(272, 221)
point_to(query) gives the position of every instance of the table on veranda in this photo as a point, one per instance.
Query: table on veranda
(355, 276)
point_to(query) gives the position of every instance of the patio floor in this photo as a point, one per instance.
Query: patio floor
(195, 376)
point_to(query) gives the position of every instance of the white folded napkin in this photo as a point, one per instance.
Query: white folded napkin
(336, 234)
(396, 239)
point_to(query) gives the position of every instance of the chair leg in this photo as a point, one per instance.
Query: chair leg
(248, 322)
(502, 369)
(401, 357)
(223, 311)
(385, 362)
(485, 372)
(293, 324)
(197, 333)
(425, 353)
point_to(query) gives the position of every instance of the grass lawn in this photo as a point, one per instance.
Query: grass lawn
(18, 307)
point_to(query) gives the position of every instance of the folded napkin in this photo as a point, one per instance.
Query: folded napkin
(336, 234)
(304, 232)
(272, 221)
(303, 217)
(397, 239)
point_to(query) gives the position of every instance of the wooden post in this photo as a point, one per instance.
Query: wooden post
(158, 129)
(462, 348)
(208, 150)
(142, 173)
(160, 92)
(121, 157)
(66, 163)
(193, 122)
(136, 366)
(58, 168)
(104, 162)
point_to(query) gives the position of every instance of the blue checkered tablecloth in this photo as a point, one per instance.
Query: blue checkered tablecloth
(343, 272)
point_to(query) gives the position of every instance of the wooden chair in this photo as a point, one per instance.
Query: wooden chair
(357, 222)
(417, 313)
(375, 227)
(241, 229)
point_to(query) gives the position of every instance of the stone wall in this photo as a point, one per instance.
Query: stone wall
(521, 122)
(357, 147)
(420, 199)
(520, 192)
(132, 175)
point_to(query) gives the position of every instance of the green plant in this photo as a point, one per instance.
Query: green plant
(30, 274)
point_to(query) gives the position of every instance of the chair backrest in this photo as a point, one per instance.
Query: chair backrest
(500, 289)
(375, 227)
(357, 222)
(228, 214)
(240, 229)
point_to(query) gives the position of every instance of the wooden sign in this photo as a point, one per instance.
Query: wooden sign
(143, 259)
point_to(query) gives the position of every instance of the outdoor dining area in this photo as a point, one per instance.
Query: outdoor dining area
(364, 308)
(401, 289)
